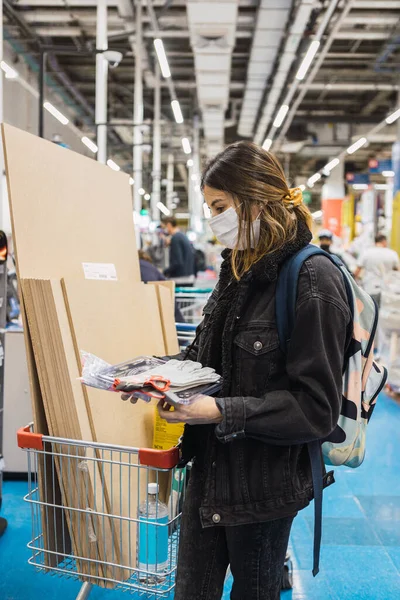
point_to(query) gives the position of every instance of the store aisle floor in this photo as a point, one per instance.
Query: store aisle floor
(361, 539)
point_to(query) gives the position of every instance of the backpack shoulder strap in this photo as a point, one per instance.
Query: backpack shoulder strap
(286, 298)
(286, 291)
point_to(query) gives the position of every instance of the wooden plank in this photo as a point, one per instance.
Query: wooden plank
(166, 308)
(117, 321)
(66, 210)
(92, 537)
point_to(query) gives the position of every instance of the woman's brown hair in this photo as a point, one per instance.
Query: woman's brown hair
(253, 176)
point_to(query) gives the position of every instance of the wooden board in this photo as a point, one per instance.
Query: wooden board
(66, 209)
(166, 308)
(117, 321)
(92, 537)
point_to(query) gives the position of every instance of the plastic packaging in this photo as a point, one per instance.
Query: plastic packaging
(146, 377)
(153, 537)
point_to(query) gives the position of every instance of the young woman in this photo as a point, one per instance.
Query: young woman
(251, 472)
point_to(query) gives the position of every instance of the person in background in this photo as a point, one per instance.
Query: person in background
(181, 254)
(325, 243)
(149, 272)
(374, 265)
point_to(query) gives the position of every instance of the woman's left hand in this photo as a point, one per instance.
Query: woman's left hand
(203, 411)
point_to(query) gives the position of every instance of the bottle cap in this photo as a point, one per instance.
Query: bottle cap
(152, 488)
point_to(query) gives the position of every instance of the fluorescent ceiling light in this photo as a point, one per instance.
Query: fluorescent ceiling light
(89, 144)
(388, 173)
(56, 113)
(147, 196)
(161, 207)
(280, 117)
(176, 107)
(194, 177)
(317, 215)
(331, 165)
(307, 60)
(357, 145)
(207, 211)
(393, 117)
(113, 165)
(302, 187)
(186, 146)
(189, 163)
(9, 71)
(381, 186)
(162, 58)
(183, 215)
(173, 205)
(316, 177)
(141, 192)
(360, 186)
(131, 181)
(267, 144)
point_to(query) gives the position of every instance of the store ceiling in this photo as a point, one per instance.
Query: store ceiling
(258, 47)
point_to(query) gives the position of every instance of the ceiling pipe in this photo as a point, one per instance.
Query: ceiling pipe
(311, 75)
(275, 94)
(271, 24)
(336, 87)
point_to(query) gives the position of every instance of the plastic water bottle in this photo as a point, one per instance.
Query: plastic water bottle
(153, 537)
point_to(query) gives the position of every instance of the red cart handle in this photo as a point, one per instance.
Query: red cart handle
(27, 439)
(160, 459)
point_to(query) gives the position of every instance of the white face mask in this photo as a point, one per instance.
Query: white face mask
(225, 227)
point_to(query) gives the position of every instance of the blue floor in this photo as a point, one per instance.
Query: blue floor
(361, 538)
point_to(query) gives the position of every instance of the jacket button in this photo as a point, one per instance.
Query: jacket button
(257, 345)
(214, 465)
(216, 518)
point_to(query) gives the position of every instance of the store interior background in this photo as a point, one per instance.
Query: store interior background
(233, 69)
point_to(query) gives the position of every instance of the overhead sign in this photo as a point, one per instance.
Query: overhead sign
(378, 166)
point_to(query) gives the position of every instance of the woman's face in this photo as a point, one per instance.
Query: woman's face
(219, 201)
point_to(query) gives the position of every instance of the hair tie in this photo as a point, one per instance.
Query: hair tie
(294, 197)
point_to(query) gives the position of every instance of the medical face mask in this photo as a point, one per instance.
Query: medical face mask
(225, 227)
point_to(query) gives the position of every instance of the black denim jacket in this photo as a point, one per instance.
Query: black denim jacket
(255, 464)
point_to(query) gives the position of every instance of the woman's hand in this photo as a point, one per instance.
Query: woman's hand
(203, 411)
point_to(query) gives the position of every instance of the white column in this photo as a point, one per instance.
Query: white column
(138, 111)
(101, 81)
(197, 214)
(156, 194)
(170, 180)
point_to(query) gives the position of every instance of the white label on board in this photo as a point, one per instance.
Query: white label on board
(102, 271)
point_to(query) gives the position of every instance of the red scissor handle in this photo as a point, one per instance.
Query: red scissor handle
(158, 383)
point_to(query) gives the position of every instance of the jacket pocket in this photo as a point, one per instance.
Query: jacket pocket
(255, 356)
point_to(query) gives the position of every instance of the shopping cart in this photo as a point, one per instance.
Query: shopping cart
(92, 518)
(191, 302)
(186, 333)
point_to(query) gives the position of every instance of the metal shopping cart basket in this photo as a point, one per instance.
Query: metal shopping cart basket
(191, 302)
(92, 518)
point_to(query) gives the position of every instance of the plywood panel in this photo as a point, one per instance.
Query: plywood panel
(66, 209)
(166, 308)
(118, 321)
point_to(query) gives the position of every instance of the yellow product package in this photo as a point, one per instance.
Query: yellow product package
(166, 435)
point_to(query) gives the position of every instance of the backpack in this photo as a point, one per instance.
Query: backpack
(363, 379)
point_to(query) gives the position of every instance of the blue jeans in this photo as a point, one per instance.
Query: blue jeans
(255, 552)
